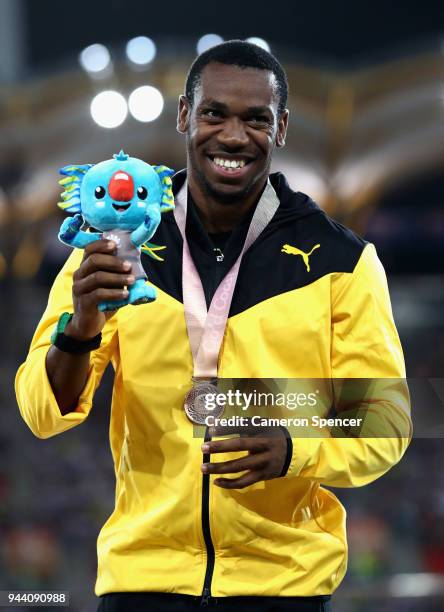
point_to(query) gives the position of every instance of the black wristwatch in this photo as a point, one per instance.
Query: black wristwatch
(71, 345)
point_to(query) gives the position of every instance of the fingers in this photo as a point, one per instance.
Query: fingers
(104, 295)
(101, 260)
(102, 276)
(265, 459)
(99, 246)
(252, 445)
(102, 279)
(101, 269)
(250, 462)
(239, 483)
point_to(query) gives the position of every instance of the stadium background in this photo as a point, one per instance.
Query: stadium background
(365, 140)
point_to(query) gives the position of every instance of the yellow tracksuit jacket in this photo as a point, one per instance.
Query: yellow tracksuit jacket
(327, 315)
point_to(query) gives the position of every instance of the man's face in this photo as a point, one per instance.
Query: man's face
(232, 130)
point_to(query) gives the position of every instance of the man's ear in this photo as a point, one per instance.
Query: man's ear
(183, 114)
(282, 128)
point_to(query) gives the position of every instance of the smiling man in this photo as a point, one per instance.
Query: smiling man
(230, 166)
(256, 283)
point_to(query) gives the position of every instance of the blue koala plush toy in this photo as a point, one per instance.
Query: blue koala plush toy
(123, 199)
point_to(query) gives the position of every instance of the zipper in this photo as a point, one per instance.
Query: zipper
(206, 597)
(219, 255)
(206, 591)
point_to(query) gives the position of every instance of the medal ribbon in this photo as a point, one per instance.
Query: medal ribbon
(206, 328)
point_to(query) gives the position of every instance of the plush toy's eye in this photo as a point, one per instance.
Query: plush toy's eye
(142, 193)
(100, 192)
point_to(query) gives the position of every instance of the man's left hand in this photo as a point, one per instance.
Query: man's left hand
(265, 460)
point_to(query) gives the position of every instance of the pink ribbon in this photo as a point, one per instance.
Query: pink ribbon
(206, 328)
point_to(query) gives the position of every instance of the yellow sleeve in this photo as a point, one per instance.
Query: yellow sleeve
(365, 345)
(35, 397)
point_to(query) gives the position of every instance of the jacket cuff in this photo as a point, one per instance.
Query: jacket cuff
(38, 405)
(304, 449)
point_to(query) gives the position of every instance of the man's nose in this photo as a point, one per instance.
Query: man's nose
(233, 133)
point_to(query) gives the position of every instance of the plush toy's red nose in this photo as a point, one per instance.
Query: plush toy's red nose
(121, 186)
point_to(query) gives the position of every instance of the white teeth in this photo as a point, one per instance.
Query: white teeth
(227, 163)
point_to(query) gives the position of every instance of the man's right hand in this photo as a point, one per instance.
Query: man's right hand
(101, 277)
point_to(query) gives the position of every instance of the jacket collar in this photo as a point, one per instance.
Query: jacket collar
(293, 204)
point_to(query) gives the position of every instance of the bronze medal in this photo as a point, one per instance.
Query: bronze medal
(194, 402)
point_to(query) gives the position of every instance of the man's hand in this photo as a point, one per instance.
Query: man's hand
(266, 457)
(101, 277)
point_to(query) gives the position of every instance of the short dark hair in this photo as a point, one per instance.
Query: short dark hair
(243, 54)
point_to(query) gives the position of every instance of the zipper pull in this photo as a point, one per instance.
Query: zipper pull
(219, 254)
(206, 596)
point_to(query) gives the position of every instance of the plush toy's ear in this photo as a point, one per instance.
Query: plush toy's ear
(74, 175)
(165, 173)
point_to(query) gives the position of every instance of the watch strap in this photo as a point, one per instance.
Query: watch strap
(67, 344)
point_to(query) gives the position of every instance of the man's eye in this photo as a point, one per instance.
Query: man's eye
(259, 119)
(214, 114)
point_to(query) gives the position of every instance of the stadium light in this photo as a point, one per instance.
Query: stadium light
(260, 42)
(95, 58)
(141, 50)
(145, 103)
(207, 41)
(109, 109)
(419, 584)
